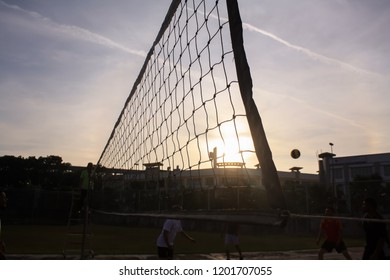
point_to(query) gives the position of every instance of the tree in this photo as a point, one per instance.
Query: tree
(46, 172)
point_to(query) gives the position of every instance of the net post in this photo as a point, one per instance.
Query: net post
(263, 152)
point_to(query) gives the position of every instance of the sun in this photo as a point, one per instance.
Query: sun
(233, 143)
(233, 149)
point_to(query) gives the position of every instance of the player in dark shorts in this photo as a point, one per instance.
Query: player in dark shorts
(332, 229)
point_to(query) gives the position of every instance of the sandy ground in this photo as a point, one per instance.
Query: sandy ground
(356, 254)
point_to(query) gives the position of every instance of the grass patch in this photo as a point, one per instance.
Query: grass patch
(43, 239)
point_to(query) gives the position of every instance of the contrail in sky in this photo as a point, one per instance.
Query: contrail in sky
(77, 32)
(87, 35)
(306, 51)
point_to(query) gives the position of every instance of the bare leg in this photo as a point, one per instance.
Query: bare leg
(227, 254)
(321, 254)
(347, 255)
(239, 251)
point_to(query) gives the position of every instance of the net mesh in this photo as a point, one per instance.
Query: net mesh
(185, 119)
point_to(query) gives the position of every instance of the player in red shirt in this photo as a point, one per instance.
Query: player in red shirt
(332, 229)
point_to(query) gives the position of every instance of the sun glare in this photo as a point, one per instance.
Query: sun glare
(233, 149)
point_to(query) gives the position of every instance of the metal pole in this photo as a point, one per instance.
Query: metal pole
(270, 178)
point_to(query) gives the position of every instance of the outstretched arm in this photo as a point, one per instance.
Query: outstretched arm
(187, 236)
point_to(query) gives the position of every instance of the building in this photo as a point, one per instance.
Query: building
(337, 173)
(227, 175)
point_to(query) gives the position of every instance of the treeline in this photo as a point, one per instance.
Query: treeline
(49, 173)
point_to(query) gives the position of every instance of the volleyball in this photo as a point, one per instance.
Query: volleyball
(295, 153)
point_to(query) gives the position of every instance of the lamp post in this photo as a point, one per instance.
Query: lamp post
(331, 147)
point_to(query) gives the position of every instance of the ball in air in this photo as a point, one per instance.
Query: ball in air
(295, 153)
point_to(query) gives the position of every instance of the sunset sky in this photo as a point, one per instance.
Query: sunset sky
(320, 69)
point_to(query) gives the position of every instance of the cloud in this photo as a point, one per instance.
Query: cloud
(76, 32)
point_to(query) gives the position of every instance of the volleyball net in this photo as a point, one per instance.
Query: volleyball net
(190, 132)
